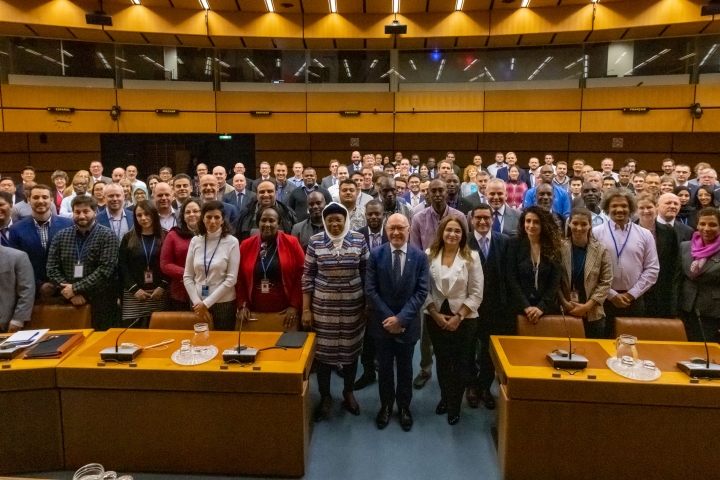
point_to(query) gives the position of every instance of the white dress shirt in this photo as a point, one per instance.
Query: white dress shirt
(403, 255)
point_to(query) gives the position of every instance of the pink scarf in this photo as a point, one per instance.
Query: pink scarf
(701, 252)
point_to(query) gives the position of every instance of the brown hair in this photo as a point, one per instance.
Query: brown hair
(438, 244)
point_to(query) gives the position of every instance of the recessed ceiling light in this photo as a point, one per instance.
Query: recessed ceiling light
(459, 4)
(525, 3)
(204, 4)
(333, 6)
(135, 2)
(270, 6)
(396, 6)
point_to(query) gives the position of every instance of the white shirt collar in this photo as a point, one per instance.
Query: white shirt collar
(402, 249)
(501, 210)
(478, 237)
(614, 226)
(661, 220)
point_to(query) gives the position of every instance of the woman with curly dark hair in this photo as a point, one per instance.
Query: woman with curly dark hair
(534, 265)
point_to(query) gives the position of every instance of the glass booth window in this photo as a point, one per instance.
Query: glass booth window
(149, 62)
(61, 58)
(665, 56)
(348, 66)
(261, 66)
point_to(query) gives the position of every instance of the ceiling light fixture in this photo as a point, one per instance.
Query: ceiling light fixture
(487, 72)
(135, 2)
(104, 61)
(442, 64)
(277, 63)
(475, 78)
(542, 65)
(459, 5)
(512, 64)
(333, 6)
(396, 6)
(620, 57)
(347, 68)
(412, 64)
(654, 57)
(254, 67)
(574, 63)
(204, 4)
(471, 64)
(297, 74)
(709, 53)
(374, 62)
(270, 6)
(687, 56)
(317, 62)
(525, 3)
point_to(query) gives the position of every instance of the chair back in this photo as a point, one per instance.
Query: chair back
(60, 317)
(551, 326)
(175, 321)
(659, 329)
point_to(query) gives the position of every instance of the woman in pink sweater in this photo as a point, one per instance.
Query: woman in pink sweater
(174, 253)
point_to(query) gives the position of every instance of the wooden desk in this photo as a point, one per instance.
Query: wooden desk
(164, 417)
(31, 438)
(610, 427)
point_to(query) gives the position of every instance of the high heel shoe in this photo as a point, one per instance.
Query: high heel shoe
(350, 404)
(323, 408)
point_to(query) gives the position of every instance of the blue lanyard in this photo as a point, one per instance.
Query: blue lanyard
(265, 267)
(80, 251)
(615, 243)
(152, 247)
(205, 263)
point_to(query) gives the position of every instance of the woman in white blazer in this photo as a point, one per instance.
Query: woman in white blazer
(451, 319)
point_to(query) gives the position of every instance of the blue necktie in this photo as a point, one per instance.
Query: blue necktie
(484, 246)
(396, 267)
(496, 227)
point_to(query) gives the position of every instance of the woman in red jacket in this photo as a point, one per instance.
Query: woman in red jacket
(174, 253)
(271, 266)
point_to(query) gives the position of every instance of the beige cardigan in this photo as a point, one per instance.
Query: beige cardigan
(598, 275)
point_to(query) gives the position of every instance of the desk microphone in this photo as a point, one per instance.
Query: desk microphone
(121, 354)
(241, 353)
(704, 369)
(566, 360)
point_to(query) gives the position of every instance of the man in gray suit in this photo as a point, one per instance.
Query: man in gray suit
(17, 298)
(505, 218)
(331, 179)
(96, 170)
(313, 224)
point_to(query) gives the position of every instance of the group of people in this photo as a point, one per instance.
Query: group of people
(373, 258)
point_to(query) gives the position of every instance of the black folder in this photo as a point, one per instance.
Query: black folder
(292, 340)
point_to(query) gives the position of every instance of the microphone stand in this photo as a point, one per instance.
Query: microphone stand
(564, 360)
(705, 368)
(124, 354)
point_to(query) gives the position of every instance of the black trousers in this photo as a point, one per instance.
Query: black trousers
(488, 324)
(105, 311)
(324, 372)
(368, 355)
(710, 328)
(224, 315)
(452, 354)
(390, 353)
(636, 309)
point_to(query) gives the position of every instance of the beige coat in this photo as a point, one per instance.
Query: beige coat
(598, 275)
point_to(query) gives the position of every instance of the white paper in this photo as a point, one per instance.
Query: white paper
(25, 335)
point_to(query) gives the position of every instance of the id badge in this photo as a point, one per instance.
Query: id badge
(205, 291)
(574, 296)
(148, 276)
(264, 286)
(78, 271)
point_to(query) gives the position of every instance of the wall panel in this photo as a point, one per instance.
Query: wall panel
(367, 141)
(44, 121)
(439, 101)
(12, 163)
(528, 100)
(282, 142)
(710, 121)
(22, 96)
(150, 122)
(334, 122)
(13, 142)
(439, 122)
(252, 101)
(337, 102)
(532, 121)
(48, 162)
(632, 142)
(418, 141)
(63, 142)
(516, 142)
(275, 123)
(653, 121)
(708, 95)
(671, 96)
(148, 100)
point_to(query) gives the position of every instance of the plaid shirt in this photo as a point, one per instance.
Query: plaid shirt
(42, 229)
(99, 249)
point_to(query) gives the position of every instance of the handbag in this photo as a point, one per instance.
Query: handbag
(267, 322)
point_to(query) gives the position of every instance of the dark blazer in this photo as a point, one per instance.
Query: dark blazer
(683, 231)
(232, 199)
(466, 204)
(661, 299)
(245, 222)
(366, 232)
(298, 202)
(493, 306)
(287, 191)
(254, 184)
(104, 219)
(404, 301)
(406, 197)
(521, 280)
(24, 236)
(303, 231)
(504, 175)
(700, 292)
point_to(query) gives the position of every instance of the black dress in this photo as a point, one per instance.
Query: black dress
(523, 291)
(133, 264)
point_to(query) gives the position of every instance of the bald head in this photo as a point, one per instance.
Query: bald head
(398, 229)
(546, 174)
(114, 197)
(668, 206)
(208, 187)
(118, 174)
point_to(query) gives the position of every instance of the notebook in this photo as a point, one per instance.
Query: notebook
(53, 346)
(292, 340)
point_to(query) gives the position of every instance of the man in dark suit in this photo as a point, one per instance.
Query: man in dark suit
(375, 236)
(396, 286)
(298, 198)
(455, 200)
(115, 216)
(7, 185)
(493, 315)
(209, 192)
(661, 298)
(314, 223)
(240, 197)
(505, 218)
(34, 234)
(668, 206)
(264, 175)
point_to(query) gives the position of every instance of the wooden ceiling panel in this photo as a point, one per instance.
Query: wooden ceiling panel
(606, 35)
(259, 43)
(145, 3)
(16, 30)
(160, 38)
(536, 39)
(644, 32)
(471, 5)
(714, 27)
(471, 42)
(503, 40)
(680, 29)
(227, 42)
(319, 43)
(256, 5)
(320, 6)
(350, 43)
(441, 6)
(414, 6)
(191, 4)
(195, 40)
(128, 37)
(51, 31)
(289, 43)
(498, 5)
(570, 37)
(91, 35)
(408, 43)
(379, 6)
(281, 6)
(379, 43)
(348, 6)
(441, 42)
(228, 5)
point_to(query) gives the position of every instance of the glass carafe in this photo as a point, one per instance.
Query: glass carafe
(201, 339)
(626, 349)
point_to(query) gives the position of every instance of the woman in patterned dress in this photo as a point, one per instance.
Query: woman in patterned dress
(333, 303)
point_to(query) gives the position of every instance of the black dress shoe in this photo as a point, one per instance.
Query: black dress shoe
(383, 416)
(473, 397)
(453, 418)
(487, 399)
(421, 379)
(364, 381)
(441, 408)
(350, 404)
(406, 420)
(323, 408)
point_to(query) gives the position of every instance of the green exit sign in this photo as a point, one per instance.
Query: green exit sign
(225, 137)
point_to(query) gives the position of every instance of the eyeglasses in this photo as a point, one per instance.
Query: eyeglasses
(396, 229)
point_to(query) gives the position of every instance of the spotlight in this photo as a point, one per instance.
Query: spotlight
(696, 110)
(114, 112)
